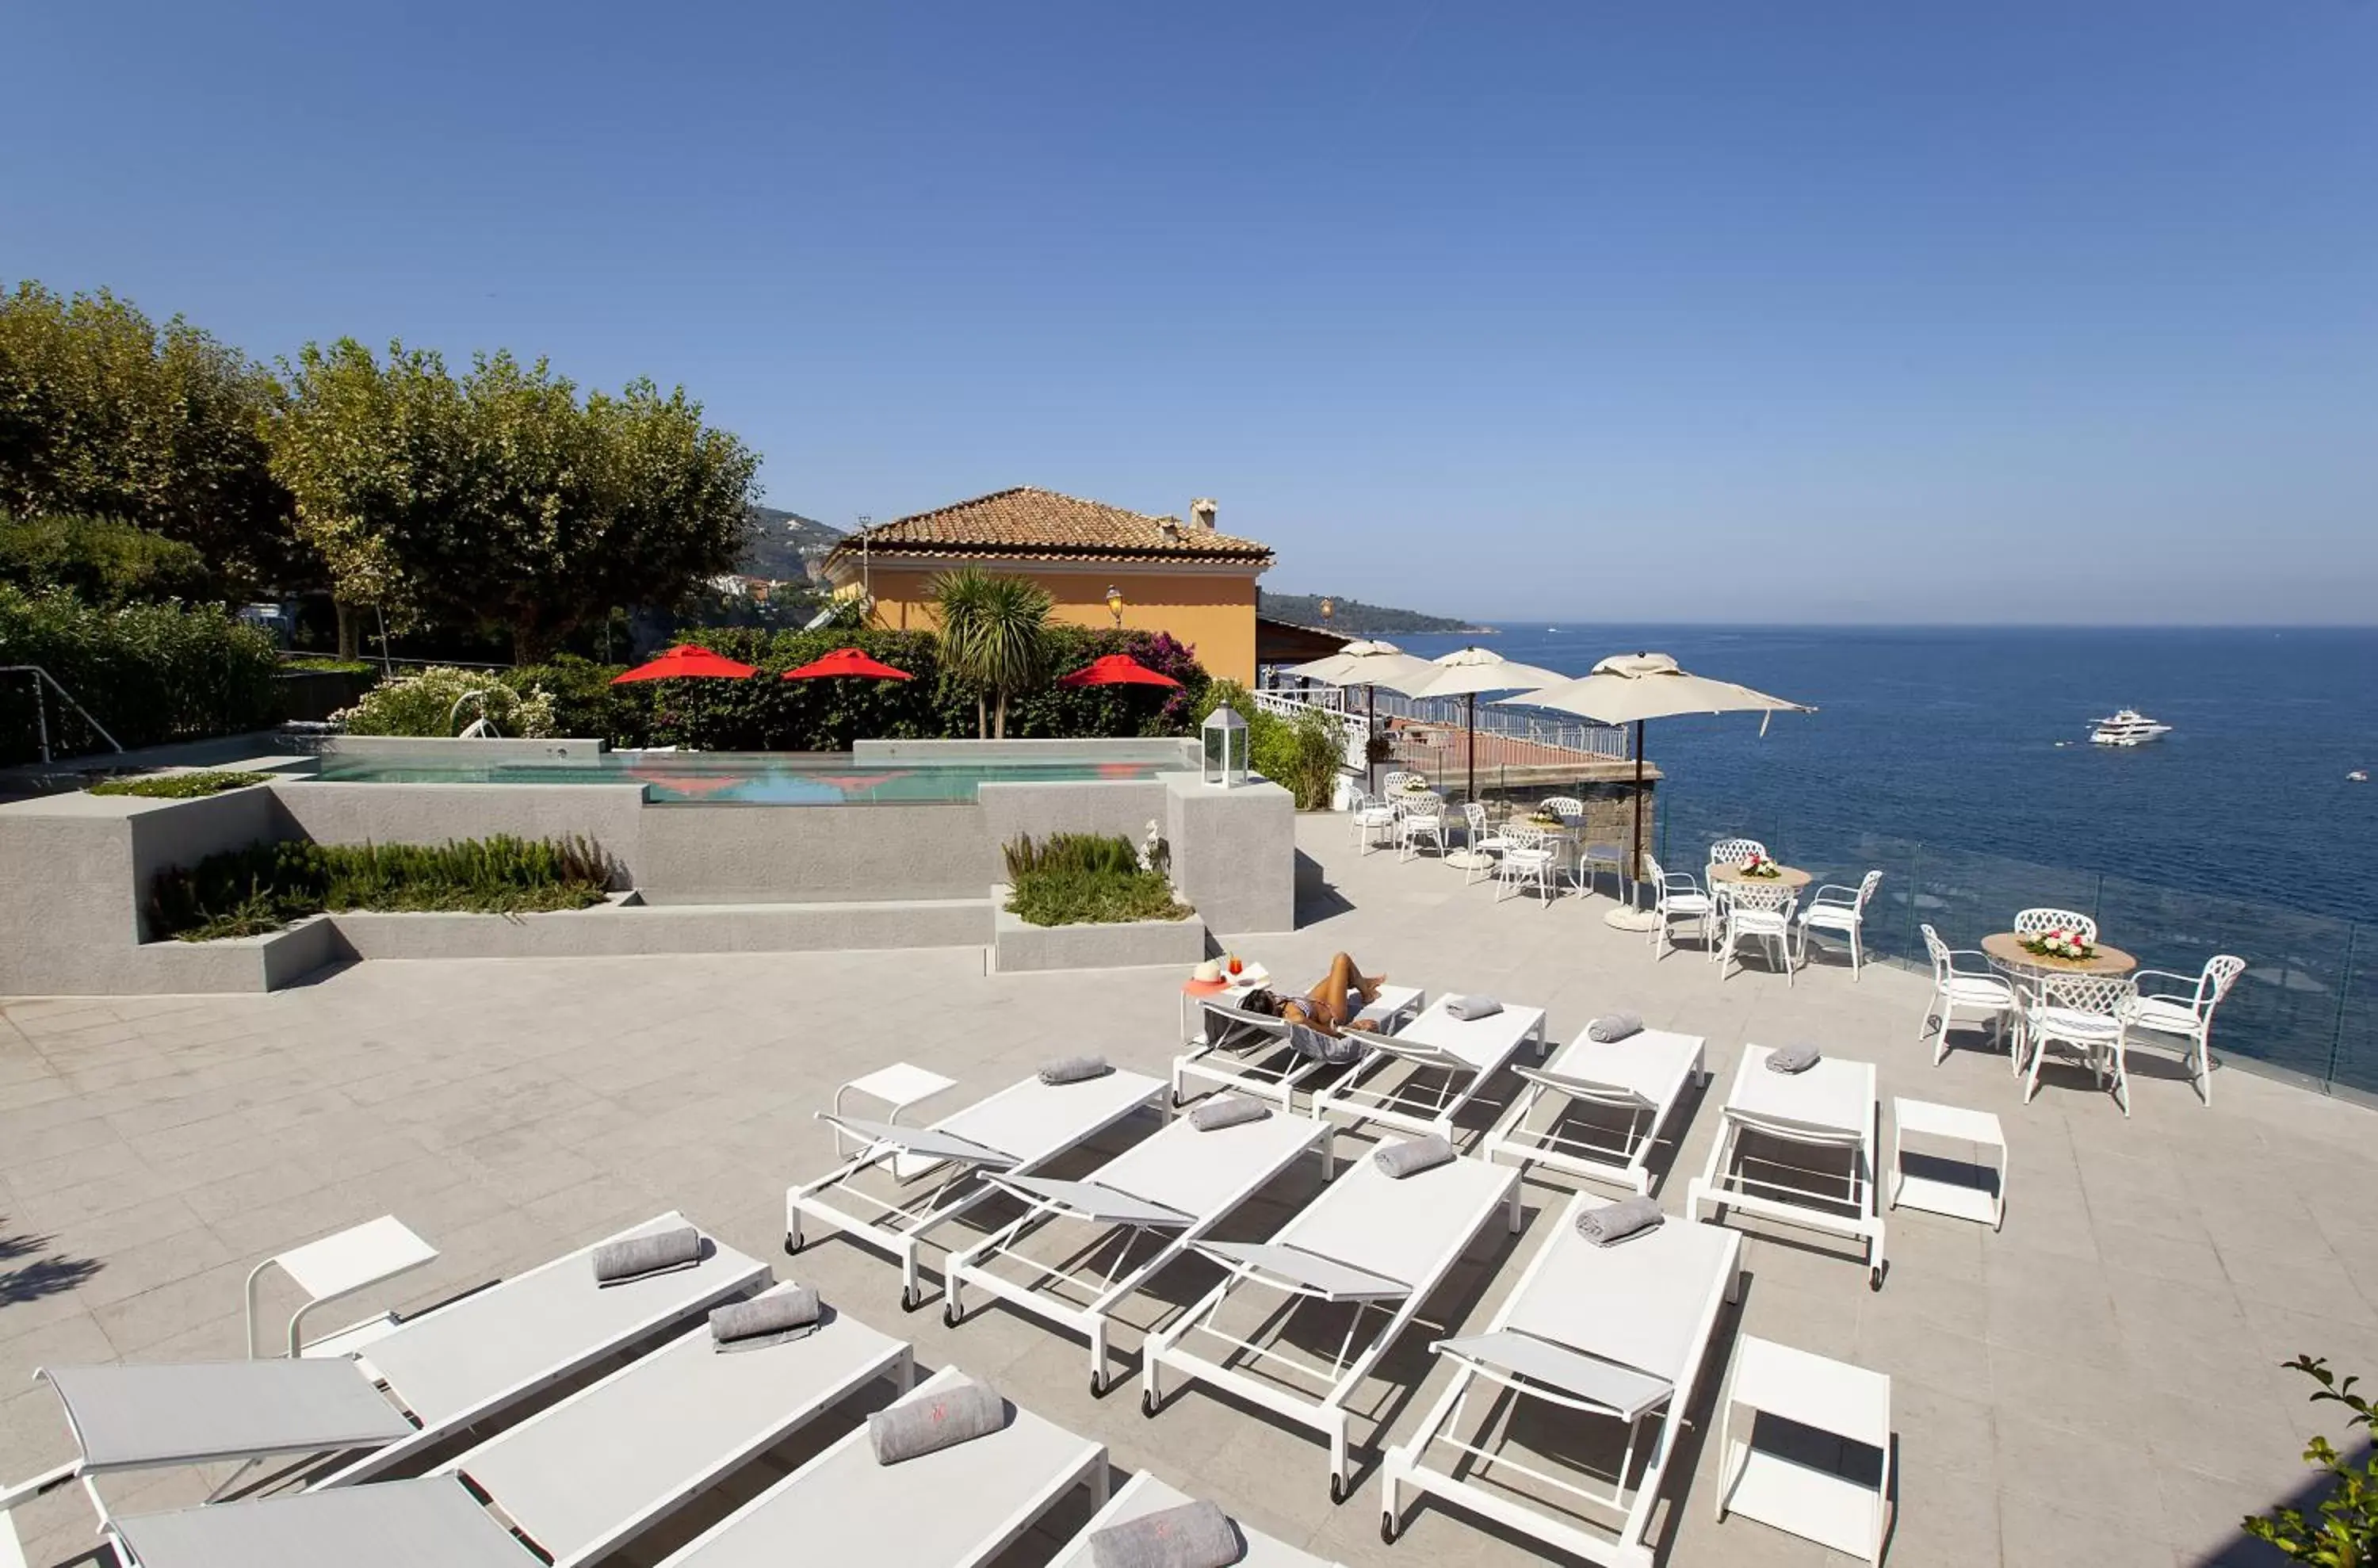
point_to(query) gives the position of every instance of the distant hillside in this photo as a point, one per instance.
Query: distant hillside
(778, 543)
(1352, 616)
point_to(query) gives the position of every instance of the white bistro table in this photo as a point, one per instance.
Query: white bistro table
(339, 1265)
(899, 1086)
(1849, 1513)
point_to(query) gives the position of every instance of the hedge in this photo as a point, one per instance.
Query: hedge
(768, 713)
(150, 673)
(264, 887)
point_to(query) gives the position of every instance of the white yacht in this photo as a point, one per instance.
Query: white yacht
(2128, 728)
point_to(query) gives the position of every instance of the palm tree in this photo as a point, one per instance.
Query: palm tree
(993, 635)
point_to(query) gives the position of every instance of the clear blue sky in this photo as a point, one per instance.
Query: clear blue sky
(1612, 310)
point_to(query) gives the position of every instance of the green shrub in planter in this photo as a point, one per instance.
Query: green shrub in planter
(264, 887)
(179, 786)
(1086, 878)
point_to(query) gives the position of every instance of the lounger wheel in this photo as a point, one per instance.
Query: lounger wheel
(1388, 1529)
(1337, 1488)
(792, 1245)
(1099, 1385)
(950, 1314)
(1874, 1277)
(910, 1298)
(1148, 1402)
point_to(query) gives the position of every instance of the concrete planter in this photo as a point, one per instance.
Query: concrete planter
(1018, 946)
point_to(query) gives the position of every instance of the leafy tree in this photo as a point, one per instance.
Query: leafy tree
(2347, 1535)
(501, 499)
(994, 635)
(105, 561)
(102, 413)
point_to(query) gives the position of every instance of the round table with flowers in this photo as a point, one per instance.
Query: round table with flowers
(2007, 950)
(1790, 876)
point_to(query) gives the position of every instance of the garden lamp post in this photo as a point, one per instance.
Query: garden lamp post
(1115, 605)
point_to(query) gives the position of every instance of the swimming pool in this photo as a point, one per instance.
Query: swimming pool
(758, 778)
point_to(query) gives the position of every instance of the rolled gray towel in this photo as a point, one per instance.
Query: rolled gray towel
(1073, 1069)
(765, 1319)
(1614, 1026)
(1616, 1222)
(1195, 1535)
(1794, 1058)
(1468, 1007)
(616, 1262)
(1413, 1156)
(935, 1421)
(1227, 1110)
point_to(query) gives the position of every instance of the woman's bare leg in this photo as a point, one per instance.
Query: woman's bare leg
(1327, 999)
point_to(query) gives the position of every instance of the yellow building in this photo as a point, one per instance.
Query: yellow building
(1185, 578)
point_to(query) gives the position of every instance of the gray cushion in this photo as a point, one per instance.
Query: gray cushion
(767, 1320)
(1411, 1157)
(1195, 1535)
(1614, 1026)
(930, 1422)
(1468, 1007)
(639, 1256)
(1074, 1069)
(1794, 1058)
(1616, 1222)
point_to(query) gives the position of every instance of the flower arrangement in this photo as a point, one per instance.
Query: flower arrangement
(1763, 867)
(2070, 946)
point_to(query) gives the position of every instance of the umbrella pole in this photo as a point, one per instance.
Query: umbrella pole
(1369, 728)
(1634, 863)
(1472, 747)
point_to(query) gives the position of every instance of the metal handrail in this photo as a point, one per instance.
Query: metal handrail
(41, 714)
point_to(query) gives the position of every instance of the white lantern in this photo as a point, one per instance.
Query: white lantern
(1225, 735)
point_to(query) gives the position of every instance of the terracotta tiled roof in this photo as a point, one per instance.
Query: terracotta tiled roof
(1032, 524)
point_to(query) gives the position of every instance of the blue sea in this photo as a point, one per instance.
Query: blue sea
(1958, 760)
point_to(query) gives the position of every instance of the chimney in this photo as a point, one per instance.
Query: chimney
(1202, 509)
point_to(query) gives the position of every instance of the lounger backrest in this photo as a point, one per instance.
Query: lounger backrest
(1230, 1028)
(392, 1525)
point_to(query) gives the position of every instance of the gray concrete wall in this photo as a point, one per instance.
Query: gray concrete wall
(330, 813)
(614, 929)
(812, 854)
(1233, 852)
(435, 751)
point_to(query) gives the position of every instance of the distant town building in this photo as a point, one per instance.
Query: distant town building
(1189, 579)
(737, 585)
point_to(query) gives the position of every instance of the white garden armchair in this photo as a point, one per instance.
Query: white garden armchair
(1680, 898)
(1529, 859)
(1375, 820)
(1760, 914)
(2033, 922)
(1728, 852)
(2180, 1007)
(1980, 993)
(1482, 842)
(1837, 910)
(1420, 817)
(2087, 1016)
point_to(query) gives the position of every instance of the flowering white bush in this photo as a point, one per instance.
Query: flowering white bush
(442, 700)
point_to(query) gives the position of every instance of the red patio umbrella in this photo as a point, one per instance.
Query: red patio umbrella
(847, 662)
(1116, 669)
(687, 660)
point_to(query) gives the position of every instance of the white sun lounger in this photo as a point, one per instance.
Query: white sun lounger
(1144, 1494)
(1370, 1241)
(1607, 1334)
(955, 1508)
(393, 1524)
(1637, 1083)
(1831, 1106)
(1249, 1051)
(1157, 1196)
(420, 1382)
(1014, 1132)
(576, 1481)
(1447, 1061)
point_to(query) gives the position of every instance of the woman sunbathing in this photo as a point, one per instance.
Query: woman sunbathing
(1331, 1005)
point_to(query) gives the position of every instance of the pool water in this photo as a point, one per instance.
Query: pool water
(749, 777)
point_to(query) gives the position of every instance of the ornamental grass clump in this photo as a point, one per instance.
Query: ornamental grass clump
(1085, 880)
(264, 887)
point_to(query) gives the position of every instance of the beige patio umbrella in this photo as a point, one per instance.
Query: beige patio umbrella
(1465, 673)
(1370, 665)
(1632, 688)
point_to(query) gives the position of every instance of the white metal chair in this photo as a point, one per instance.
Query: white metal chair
(1590, 857)
(1727, 852)
(1528, 860)
(1840, 911)
(2031, 922)
(1760, 914)
(2088, 1014)
(1419, 817)
(1980, 994)
(1572, 811)
(1680, 899)
(1398, 782)
(1374, 816)
(2175, 1006)
(1480, 841)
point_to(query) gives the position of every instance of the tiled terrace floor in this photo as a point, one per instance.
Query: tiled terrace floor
(2098, 1384)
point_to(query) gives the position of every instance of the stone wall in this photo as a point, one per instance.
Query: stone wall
(1609, 810)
